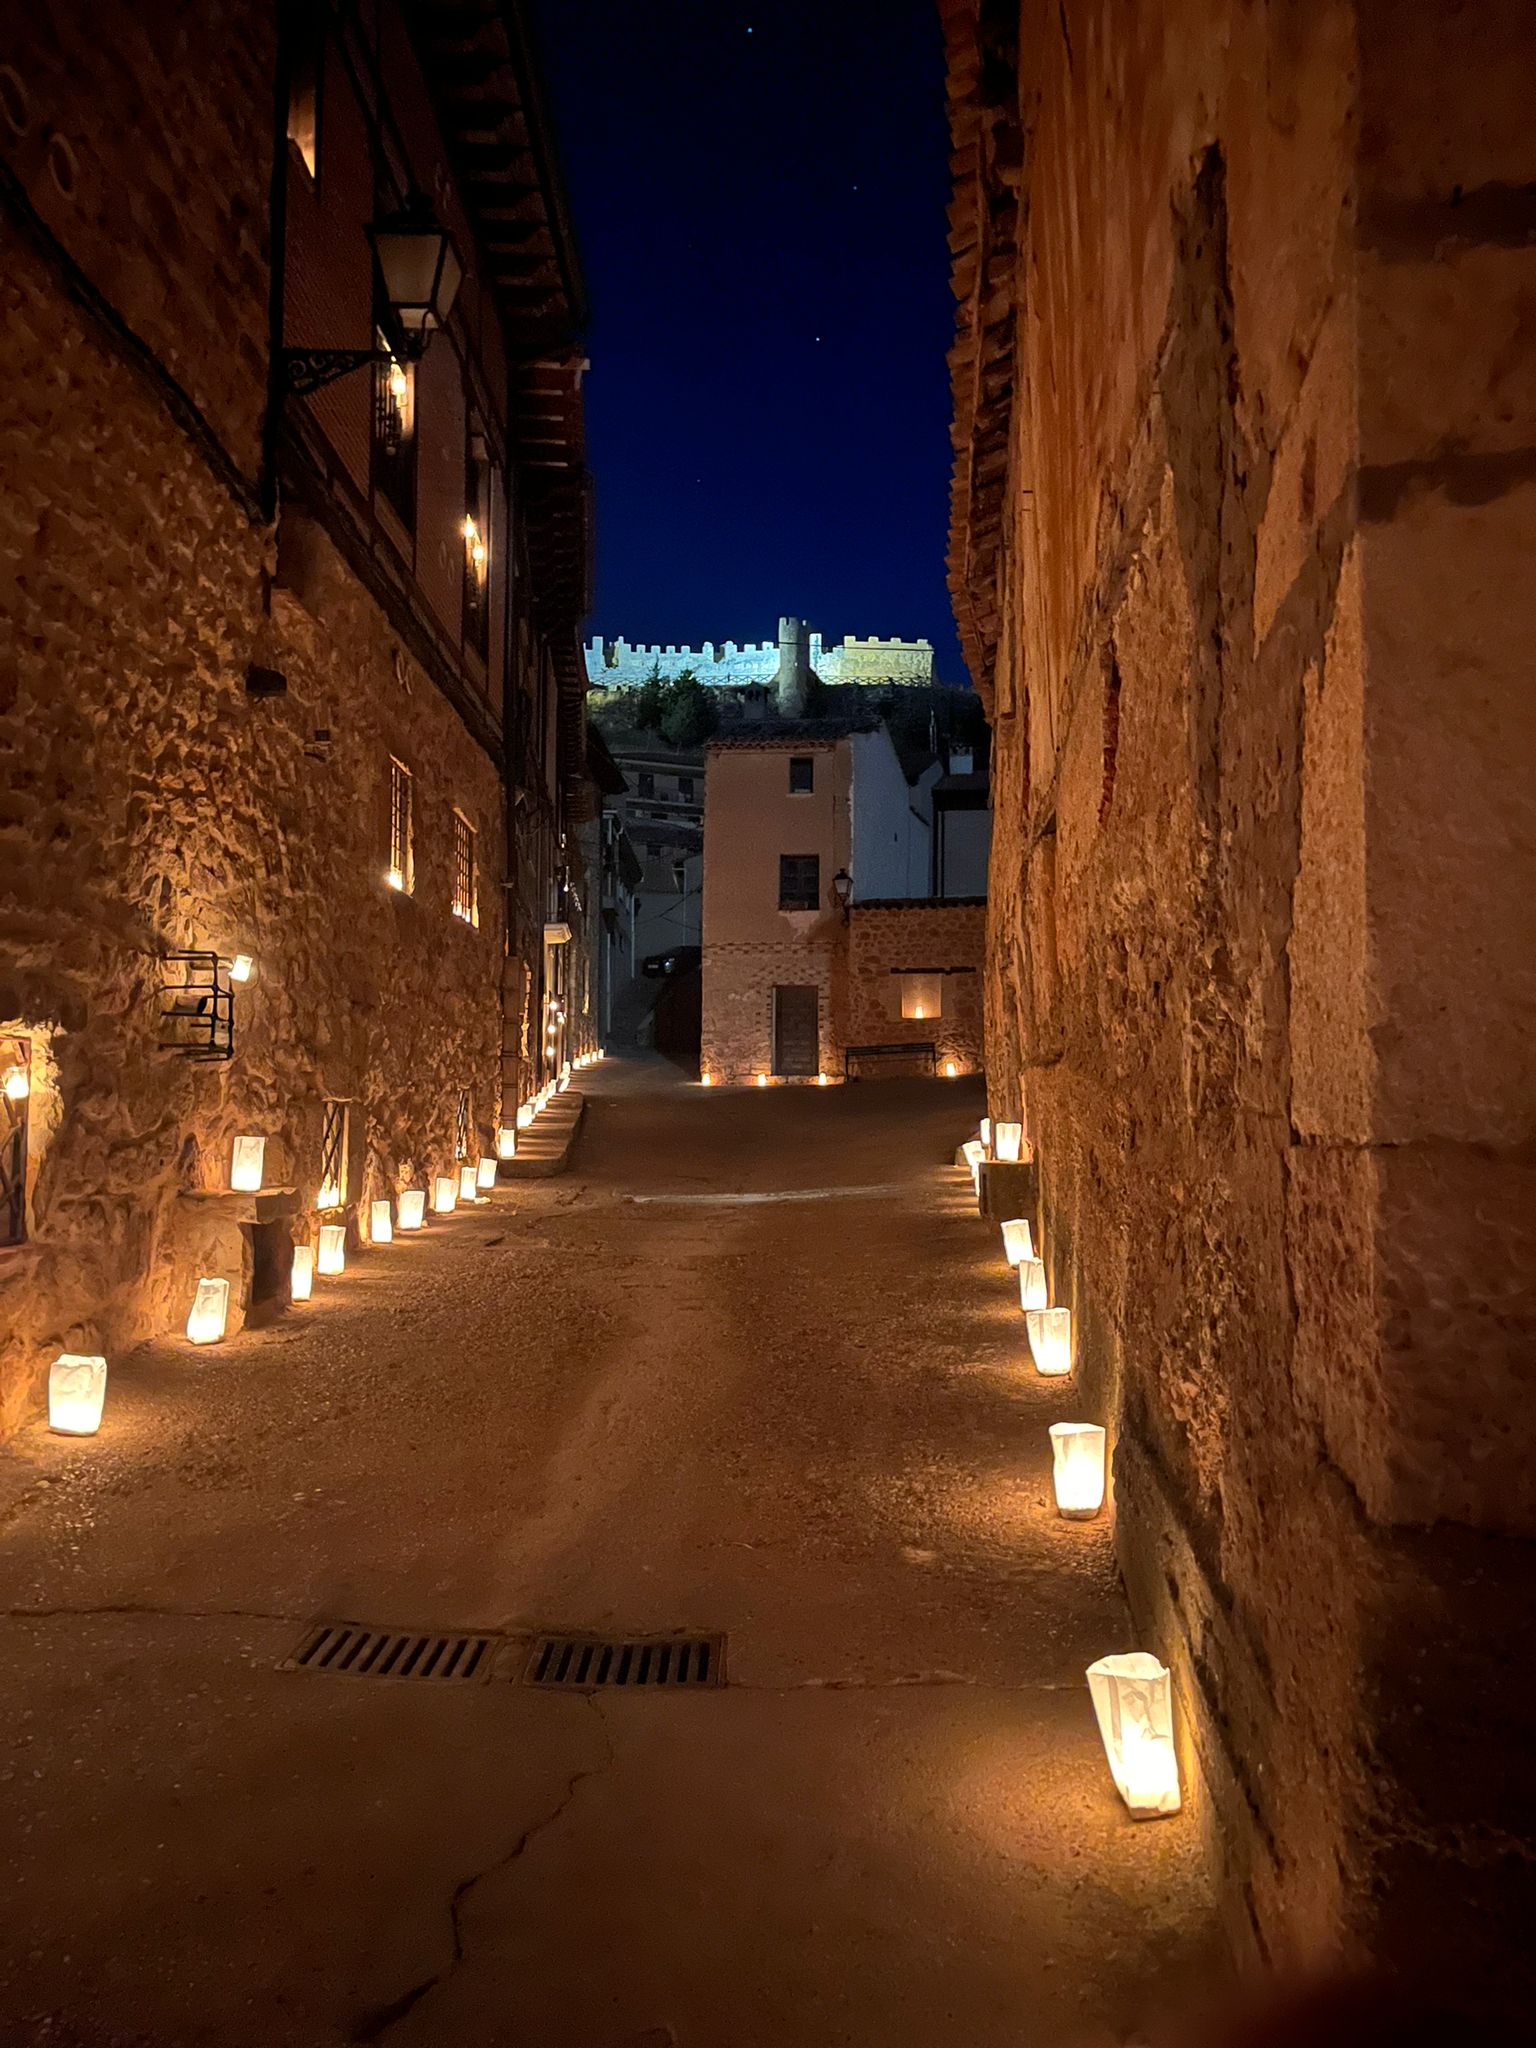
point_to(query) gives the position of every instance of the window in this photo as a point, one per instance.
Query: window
(15, 1097)
(465, 879)
(799, 881)
(394, 432)
(647, 784)
(334, 1133)
(477, 543)
(305, 62)
(802, 774)
(462, 1122)
(685, 789)
(922, 995)
(401, 873)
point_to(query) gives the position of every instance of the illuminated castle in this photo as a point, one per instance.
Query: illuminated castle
(613, 664)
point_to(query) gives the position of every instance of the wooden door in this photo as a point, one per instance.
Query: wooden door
(796, 1036)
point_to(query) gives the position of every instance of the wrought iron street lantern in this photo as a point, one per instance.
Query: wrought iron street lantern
(418, 273)
(842, 891)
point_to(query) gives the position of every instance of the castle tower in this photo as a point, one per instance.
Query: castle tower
(792, 683)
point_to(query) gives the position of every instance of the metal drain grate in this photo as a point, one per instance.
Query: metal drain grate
(580, 1663)
(343, 1650)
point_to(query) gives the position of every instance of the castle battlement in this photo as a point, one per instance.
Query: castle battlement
(620, 664)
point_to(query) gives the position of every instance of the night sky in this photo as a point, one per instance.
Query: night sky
(758, 195)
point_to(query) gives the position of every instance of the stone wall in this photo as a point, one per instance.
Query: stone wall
(945, 942)
(1244, 467)
(150, 804)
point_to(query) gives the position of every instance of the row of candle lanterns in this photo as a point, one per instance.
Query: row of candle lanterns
(77, 1381)
(1132, 1694)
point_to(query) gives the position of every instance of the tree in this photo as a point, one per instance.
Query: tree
(650, 700)
(689, 713)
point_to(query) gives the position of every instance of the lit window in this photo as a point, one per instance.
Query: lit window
(334, 1133)
(799, 881)
(394, 432)
(401, 872)
(922, 995)
(802, 774)
(477, 543)
(305, 61)
(465, 879)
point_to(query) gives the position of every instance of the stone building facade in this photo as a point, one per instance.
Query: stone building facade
(817, 922)
(1244, 498)
(279, 665)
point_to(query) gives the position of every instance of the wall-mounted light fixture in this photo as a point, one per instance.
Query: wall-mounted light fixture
(418, 273)
(842, 891)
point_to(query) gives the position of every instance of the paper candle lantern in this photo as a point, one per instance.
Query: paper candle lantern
(246, 1166)
(1018, 1240)
(77, 1387)
(301, 1278)
(210, 1312)
(445, 1194)
(1050, 1340)
(1077, 1449)
(1007, 1141)
(468, 1176)
(973, 1152)
(525, 1115)
(333, 1248)
(986, 1135)
(762, 1080)
(241, 967)
(1133, 1700)
(413, 1207)
(486, 1176)
(381, 1226)
(950, 1070)
(1033, 1292)
(506, 1142)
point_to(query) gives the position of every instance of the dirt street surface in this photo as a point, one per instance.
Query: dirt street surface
(617, 1402)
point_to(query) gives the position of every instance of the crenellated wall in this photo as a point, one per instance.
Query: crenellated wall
(1246, 462)
(612, 664)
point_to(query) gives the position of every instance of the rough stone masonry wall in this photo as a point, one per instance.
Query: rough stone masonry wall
(1245, 484)
(736, 1041)
(887, 939)
(149, 803)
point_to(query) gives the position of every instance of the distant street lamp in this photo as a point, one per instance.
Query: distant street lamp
(842, 890)
(418, 272)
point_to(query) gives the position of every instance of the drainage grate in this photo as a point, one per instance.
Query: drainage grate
(580, 1663)
(344, 1650)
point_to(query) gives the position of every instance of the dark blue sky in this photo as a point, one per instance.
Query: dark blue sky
(759, 196)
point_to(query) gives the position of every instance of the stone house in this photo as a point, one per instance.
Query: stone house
(294, 546)
(1242, 519)
(820, 933)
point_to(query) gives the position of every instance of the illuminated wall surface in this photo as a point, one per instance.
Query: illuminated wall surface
(613, 663)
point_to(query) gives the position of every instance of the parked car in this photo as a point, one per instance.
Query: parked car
(659, 965)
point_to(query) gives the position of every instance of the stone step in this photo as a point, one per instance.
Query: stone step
(545, 1147)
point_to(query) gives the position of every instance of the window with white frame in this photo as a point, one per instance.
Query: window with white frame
(466, 880)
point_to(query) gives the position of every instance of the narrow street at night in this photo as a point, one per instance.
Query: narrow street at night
(754, 1366)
